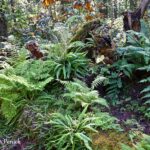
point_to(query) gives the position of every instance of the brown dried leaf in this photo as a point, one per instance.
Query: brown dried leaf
(47, 3)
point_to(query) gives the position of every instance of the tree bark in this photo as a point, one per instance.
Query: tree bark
(3, 23)
(143, 6)
(132, 19)
(115, 8)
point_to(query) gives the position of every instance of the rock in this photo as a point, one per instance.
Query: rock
(2, 58)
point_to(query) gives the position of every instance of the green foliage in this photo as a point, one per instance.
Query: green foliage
(145, 28)
(112, 77)
(16, 91)
(136, 57)
(80, 93)
(115, 84)
(137, 39)
(70, 133)
(99, 80)
(79, 45)
(146, 92)
(135, 42)
(45, 102)
(126, 147)
(54, 49)
(69, 65)
(124, 68)
(19, 58)
(118, 71)
(139, 57)
(74, 20)
(23, 85)
(34, 70)
(106, 122)
(139, 52)
(144, 144)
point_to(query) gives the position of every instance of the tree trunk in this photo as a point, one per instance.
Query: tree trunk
(115, 8)
(3, 23)
(132, 19)
(143, 6)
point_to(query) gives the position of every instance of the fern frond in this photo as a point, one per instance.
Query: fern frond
(99, 80)
(79, 92)
(14, 90)
(147, 68)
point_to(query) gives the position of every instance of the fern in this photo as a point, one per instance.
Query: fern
(124, 67)
(54, 50)
(19, 58)
(34, 70)
(79, 92)
(146, 94)
(70, 65)
(114, 86)
(73, 20)
(80, 46)
(146, 68)
(126, 147)
(137, 56)
(145, 28)
(77, 46)
(144, 144)
(106, 122)
(138, 52)
(99, 80)
(146, 81)
(16, 91)
(137, 39)
(70, 133)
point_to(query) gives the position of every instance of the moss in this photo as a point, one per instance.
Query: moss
(83, 32)
(110, 140)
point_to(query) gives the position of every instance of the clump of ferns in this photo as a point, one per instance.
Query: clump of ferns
(16, 92)
(133, 56)
(81, 95)
(74, 132)
(146, 91)
(139, 55)
(112, 78)
(69, 132)
(70, 65)
(34, 70)
(61, 67)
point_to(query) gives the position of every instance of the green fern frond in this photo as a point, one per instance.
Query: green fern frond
(147, 80)
(79, 92)
(8, 108)
(99, 80)
(147, 68)
(15, 89)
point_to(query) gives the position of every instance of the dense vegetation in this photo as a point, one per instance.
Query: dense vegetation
(72, 77)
